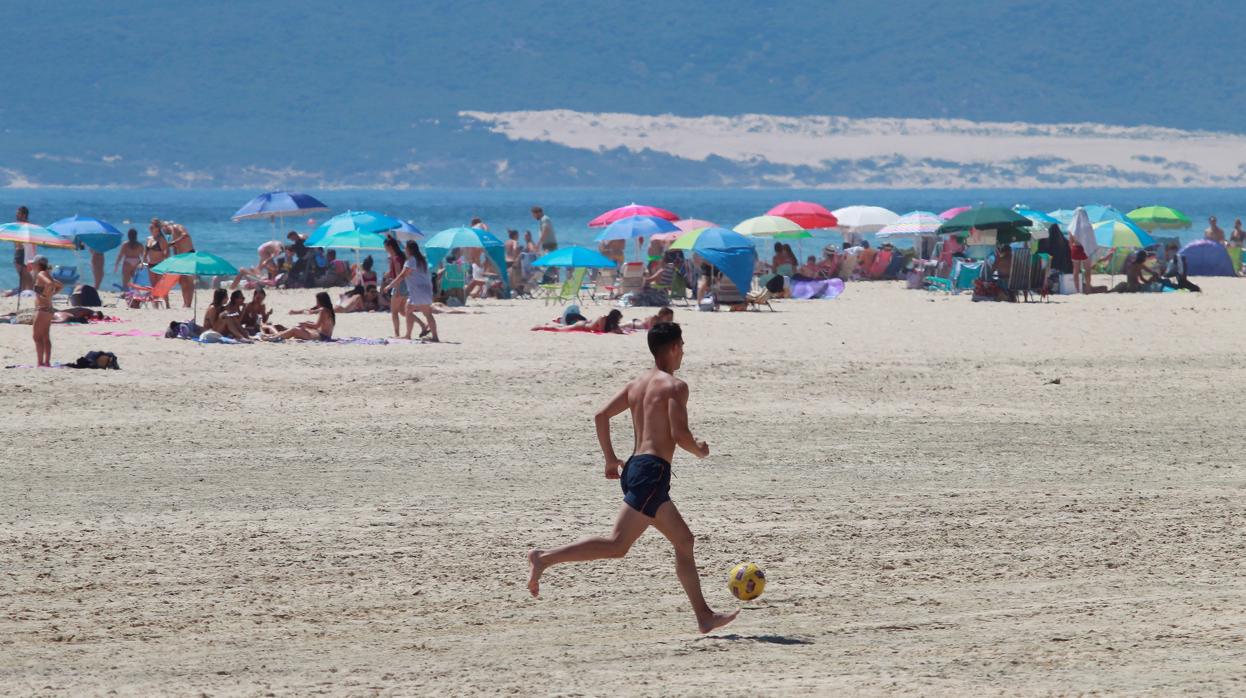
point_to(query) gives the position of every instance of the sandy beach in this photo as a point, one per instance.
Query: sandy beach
(948, 498)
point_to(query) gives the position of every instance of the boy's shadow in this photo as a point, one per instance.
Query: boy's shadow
(768, 639)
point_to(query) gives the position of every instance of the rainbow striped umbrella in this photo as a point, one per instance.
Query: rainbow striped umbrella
(1119, 233)
(31, 234)
(913, 224)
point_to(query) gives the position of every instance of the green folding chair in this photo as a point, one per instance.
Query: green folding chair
(569, 290)
(454, 280)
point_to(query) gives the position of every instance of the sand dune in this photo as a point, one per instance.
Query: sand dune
(949, 498)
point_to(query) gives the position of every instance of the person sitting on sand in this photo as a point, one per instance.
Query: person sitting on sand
(364, 275)
(211, 316)
(1177, 269)
(1138, 276)
(359, 299)
(320, 330)
(606, 324)
(229, 318)
(255, 314)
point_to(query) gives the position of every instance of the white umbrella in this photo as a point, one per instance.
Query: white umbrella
(856, 221)
(912, 224)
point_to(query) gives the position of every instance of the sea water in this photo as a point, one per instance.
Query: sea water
(206, 213)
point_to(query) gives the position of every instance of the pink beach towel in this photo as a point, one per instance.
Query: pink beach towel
(126, 333)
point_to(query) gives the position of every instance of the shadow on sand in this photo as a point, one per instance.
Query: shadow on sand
(768, 639)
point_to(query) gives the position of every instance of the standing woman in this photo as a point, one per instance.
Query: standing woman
(419, 283)
(183, 244)
(45, 288)
(129, 256)
(156, 250)
(397, 301)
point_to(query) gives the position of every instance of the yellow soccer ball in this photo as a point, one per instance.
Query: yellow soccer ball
(746, 581)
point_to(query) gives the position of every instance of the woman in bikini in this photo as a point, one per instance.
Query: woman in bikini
(606, 324)
(321, 329)
(255, 314)
(45, 288)
(181, 243)
(156, 250)
(129, 256)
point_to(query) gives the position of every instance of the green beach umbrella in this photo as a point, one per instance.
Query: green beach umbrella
(712, 239)
(776, 227)
(1009, 226)
(357, 239)
(1158, 217)
(195, 264)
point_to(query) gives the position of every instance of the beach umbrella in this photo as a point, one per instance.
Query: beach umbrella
(858, 220)
(985, 218)
(96, 234)
(1158, 217)
(276, 205)
(1126, 234)
(807, 215)
(439, 245)
(575, 257)
(772, 226)
(953, 212)
(636, 226)
(354, 240)
(195, 264)
(31, 234)
(279, 204)
(633, 209)
(712, 239)
(912, 224)
(1037, 217)
(685, 225)
(1063, 216)
(369, 221)
(408, 231)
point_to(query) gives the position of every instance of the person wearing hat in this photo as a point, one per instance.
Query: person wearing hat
(45, 288)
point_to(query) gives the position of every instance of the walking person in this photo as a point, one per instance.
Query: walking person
(45, 288)
(658, 402)
(415, 274)
(398, 297)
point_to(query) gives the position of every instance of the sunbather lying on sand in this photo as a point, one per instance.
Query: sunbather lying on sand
(664, 314)
(604, 324)
(78, 315)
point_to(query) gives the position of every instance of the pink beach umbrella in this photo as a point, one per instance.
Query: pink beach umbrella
(954, 212)
(621, 212)
(807, 215)
(685, 225)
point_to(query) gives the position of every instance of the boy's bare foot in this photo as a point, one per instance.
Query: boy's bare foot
(716, 621)
(535, 568)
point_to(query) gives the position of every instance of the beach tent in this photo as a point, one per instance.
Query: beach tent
(439, 245)
(736, 263)
(1207, 258)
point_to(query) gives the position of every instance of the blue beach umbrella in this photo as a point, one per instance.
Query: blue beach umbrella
(636, 226)
(439, 245)
(575, 257)
(279, 204)
(1038, 216)
(368, 221)
(96, 234)
(353, 240)
(408, 230)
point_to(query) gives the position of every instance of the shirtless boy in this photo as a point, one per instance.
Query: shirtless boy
(658, 402)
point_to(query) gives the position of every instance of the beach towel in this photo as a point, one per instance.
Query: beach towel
(125, 333)
(822, 288)
(582, 330)
(56, 365)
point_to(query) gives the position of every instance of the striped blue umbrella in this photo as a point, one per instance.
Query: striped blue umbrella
(279, 204)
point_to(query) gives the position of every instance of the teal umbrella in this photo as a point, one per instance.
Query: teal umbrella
(439, 245)
(353, 240)
(196, 264)
(352, 220)
(575, 257)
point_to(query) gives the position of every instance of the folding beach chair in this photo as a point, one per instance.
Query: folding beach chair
(569, 290)
(1021, 270)
(454, 281)
(757, 299)
(633, 278)
(728, 294)
(153, 296)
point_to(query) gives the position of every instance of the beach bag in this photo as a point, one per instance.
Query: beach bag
(97, 359)
(182, 330)
(707, 304)
(85, 296)
(985, 289)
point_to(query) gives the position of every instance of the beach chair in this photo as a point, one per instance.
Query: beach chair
(679, 289)
(570, 289)
(633, 278)
(965, 273)
(153, 296)
(454, 281)
(757, 299)
(728, 294)
(1021, 271)
(880, 264)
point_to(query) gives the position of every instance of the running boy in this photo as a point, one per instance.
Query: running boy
(659, 405)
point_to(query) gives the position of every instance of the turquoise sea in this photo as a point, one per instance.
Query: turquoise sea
(206, 213)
